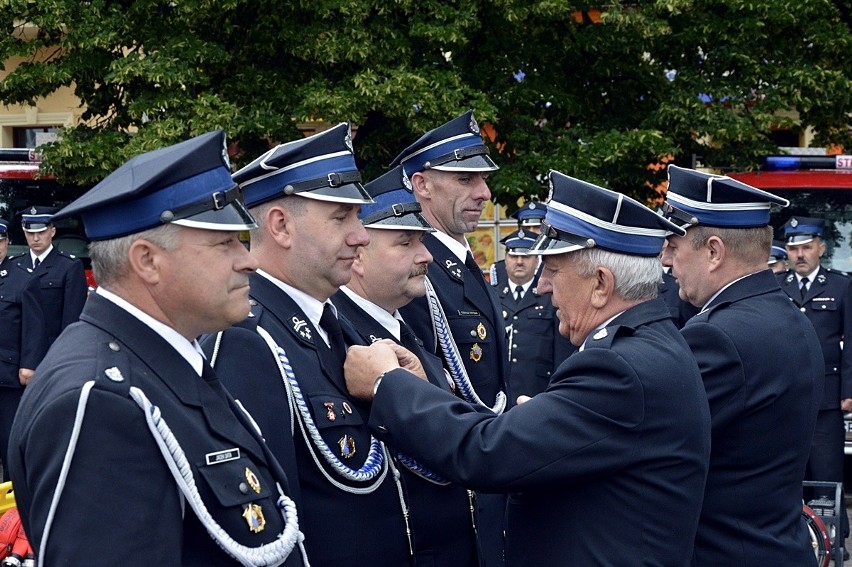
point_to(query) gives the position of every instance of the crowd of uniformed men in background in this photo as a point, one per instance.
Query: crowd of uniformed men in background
(629, 387)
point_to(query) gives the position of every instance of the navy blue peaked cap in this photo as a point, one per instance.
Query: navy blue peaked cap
(695, 197)
(582, 215)
(531, 214)
(777, 252)
(37, 218)
(188, 184)
(801, 230)
(394, 206)
(518, 242)
(454, 146)
(4, 229)
(320, 167)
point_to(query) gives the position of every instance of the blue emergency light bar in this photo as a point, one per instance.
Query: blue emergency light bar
(792, 163)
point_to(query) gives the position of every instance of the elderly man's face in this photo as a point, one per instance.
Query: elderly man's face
(394, 267)
(806, 257)
(4, 248)
(572, 296)
(203, 285)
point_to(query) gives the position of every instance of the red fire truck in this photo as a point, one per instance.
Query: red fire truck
(816, 186)
(22, 185)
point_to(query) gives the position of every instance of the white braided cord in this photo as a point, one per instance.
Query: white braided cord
(373, 469)
(458, 372)
(268, 554)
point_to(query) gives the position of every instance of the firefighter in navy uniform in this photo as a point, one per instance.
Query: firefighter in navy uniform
(386, 275)
(306, 195)
(826, 301)
(529, 218)
(23, 341)
(61, 278)
(535, 348)
(447, 169)
(126, 449)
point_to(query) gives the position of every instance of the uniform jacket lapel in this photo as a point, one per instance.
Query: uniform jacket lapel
(168, 368)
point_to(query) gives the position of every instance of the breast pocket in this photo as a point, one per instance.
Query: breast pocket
(819, 304)
(51, 290)
(341, 428)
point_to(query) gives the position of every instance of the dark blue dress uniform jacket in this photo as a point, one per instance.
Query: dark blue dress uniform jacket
(341, 528)
(606, 467)
(828, 305)
(440, 513)
(535, 345)
(120, 504)
(23, 339)
(763, 394)
(467, 302)
(63, 290)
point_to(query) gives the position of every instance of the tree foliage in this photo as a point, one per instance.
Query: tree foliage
(602, 98)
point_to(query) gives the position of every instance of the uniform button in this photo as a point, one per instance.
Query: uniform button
(823, 306)
(515, 317)
(473, 332)
(514, 360)
(514, 346)
(113, 346)
(243, 488)
(802, 309)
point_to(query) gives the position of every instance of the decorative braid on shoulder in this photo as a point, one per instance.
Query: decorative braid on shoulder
(450, 351)
(373, 469)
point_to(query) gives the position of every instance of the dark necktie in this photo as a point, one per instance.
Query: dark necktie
(407, 338)
(804, 289)
(331, 326)
(36, 264)
(519, 292)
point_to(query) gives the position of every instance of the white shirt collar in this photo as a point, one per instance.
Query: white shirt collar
(460, 250)
(190, 351)
(310, 306)
(385, 319)
(811, 277)
(41, 256)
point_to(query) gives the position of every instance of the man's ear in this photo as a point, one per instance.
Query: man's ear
(421, 186)
(716, 252)
(278, 222)
(604, 287)
(145, 259)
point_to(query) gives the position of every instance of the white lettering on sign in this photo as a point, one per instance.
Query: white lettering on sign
(843, 162)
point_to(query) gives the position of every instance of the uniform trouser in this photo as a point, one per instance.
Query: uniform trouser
(10, 398)
(826, 458)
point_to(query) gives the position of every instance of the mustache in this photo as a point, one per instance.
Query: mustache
(418, 271)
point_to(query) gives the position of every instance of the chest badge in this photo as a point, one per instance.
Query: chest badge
(481, 332)
(600, 334)
(347, 447)
(253, 481)
(476, 352)
(301, 327)
(455, 271)
(253, 515)
(330, 414)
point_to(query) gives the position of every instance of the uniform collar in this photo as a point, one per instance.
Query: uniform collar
(190, 351)
(456, 247)
(385, 319)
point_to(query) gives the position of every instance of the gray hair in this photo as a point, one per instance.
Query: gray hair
(637, 278)
(110, 258)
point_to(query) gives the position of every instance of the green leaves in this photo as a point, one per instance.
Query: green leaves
(601, 96)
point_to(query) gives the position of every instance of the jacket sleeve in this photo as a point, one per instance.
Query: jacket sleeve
(846, 354)
(33, 331)
(76, 292)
